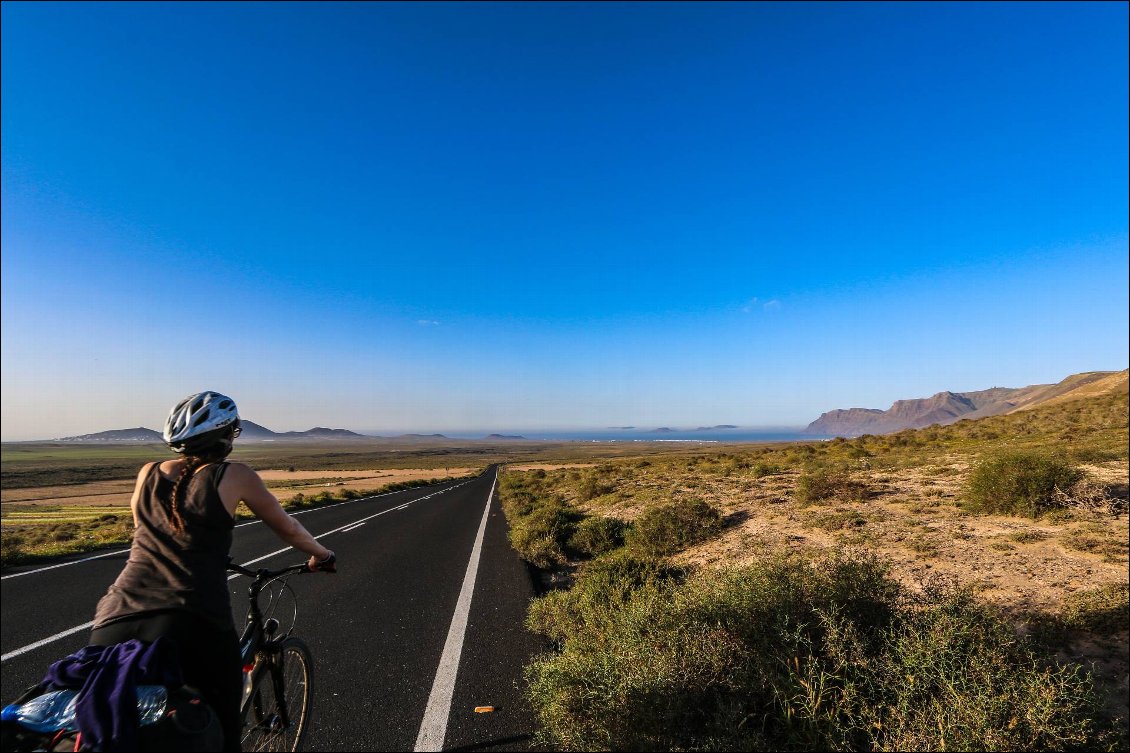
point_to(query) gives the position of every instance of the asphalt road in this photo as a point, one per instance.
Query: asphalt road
(377, 629)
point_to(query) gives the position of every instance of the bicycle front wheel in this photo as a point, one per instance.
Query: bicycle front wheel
(276, 713)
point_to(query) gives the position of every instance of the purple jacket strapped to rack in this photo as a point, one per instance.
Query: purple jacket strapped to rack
(106, 678)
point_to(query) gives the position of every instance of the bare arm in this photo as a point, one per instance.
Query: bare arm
(137, 487)
(240, 483)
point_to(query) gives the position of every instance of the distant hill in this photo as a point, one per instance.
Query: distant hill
(948, 407)
(253, 431)
(504, 436)
(662, 430)
(319, 432)
(421, 436)
(140, 434)
(719, 426)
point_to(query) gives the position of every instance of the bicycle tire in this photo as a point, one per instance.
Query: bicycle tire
(286, 671)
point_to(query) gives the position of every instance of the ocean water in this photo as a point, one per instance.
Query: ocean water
(649, 435)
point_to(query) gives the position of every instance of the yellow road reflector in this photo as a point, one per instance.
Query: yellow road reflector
(484, 709)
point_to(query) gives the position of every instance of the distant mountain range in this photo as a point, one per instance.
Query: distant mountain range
(948, 407)
(251, 431)
(258, 433)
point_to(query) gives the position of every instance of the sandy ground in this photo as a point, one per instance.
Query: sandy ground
(545, 466)
(283, 484)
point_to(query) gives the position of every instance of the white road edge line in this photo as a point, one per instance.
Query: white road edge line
(433, 729)
(71, 631)
(238, 525)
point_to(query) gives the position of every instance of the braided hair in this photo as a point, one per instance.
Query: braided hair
(217, 448)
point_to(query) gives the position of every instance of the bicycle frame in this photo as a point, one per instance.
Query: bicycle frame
(257, 644)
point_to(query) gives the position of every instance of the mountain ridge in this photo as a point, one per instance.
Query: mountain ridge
(946, 407)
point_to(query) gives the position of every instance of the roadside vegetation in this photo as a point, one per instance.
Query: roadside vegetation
(958, 587)
(804, 653)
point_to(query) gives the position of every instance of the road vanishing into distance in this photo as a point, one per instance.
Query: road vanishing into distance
(423, 622)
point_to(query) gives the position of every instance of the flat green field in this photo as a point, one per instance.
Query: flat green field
(35, 464)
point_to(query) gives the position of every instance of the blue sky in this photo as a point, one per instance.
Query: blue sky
(541, 215)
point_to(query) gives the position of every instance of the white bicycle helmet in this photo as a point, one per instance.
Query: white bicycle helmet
(199, 415)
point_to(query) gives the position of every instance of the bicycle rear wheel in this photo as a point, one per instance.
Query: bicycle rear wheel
(276, 713)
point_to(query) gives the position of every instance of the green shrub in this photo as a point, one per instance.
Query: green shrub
(597, 535)
(1019, 483)
(665, 529)
(591, 487)
(789, 654)
(540, 536)
(598, 591)
(761, 469)
(819, 484)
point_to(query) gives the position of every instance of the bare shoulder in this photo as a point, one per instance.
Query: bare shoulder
(240, 472)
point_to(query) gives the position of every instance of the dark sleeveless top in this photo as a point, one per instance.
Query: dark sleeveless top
(171, 571)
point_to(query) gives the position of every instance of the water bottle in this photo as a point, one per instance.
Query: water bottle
(54, 711)
(49, 712)
(151, 702)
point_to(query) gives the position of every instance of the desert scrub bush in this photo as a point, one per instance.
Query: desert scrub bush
(1019, 483)
(541, 536)
(541, 521)
(821, 483)
(760, 469)
(592, 486)
(1096, 539)
(1088, 495)
(599, 589)
(835, 520)
(667, 528)
(955, 676)
(697, 665)
(596, 535)
(1029, 536)
(1103, 609)
(824, 653)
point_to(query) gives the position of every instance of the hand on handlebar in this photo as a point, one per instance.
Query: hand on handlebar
(327, 564)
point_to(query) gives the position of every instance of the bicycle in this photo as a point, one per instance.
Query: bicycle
(277, 669)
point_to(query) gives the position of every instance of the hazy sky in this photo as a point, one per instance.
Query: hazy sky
(462, 216)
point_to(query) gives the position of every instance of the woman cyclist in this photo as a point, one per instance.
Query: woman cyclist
(175, 581)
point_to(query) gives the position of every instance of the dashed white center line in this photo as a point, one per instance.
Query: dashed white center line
(348, 526)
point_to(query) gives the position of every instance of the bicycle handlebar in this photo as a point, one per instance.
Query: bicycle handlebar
(265, 574)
